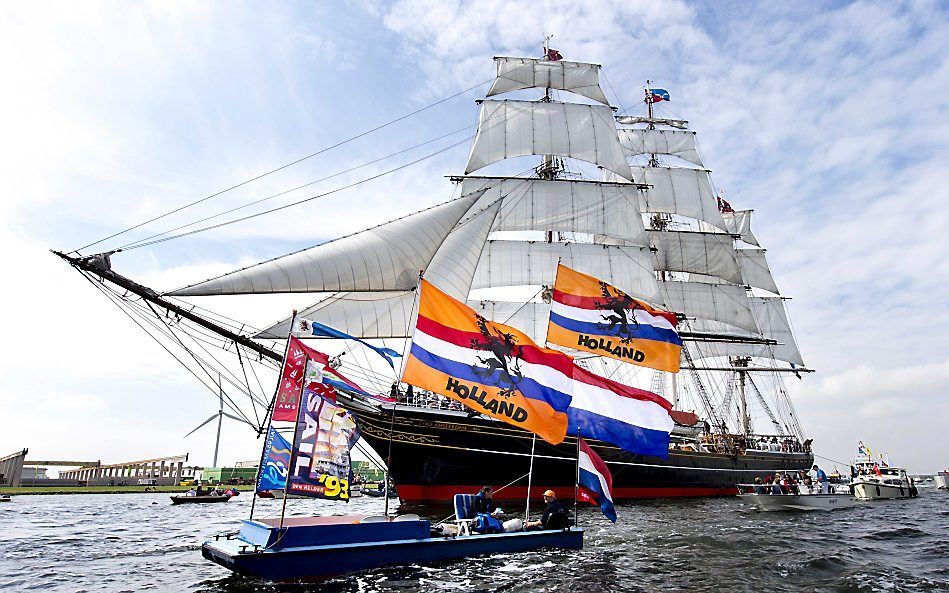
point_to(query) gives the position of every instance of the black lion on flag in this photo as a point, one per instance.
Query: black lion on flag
(505, 350)
(623, 307)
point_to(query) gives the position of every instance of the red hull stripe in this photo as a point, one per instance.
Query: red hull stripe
(417, 493)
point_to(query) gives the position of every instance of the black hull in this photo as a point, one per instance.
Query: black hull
(438, 453)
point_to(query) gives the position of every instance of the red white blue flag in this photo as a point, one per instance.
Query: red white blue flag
(657, 95)
(595, 481)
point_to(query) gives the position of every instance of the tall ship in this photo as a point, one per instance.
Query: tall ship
(555, 175)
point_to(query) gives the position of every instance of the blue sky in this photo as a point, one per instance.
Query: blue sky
(830, 120)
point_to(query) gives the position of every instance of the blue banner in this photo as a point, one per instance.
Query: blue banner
(274, 462)
(307, 326)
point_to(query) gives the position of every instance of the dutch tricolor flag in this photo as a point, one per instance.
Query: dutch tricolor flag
(595, 481)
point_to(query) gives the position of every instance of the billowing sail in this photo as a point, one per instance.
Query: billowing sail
(771, 318)
(701, 253)
(453, 267)
(386, 257)
(517, 263)
(755, 270)
(727, 303)
(517, 128)
(687, 192)
(525, 73)
(609, 209)
(530, 318)
(680, 143)
(362, 314)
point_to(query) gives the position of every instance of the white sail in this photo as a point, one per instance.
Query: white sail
(517, 128)
(755, 270)
(386, 257)
(772, 320)
(362, 314)
(609, 209)
(453, 267)
(736, 223)
(517, 263)
(678, 143)
(727, 303)
(687, 192)
(701, 253)
(525, 73)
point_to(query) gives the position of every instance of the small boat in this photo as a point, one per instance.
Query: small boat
(182, 499)
(873, 482)
(804, 501)
(942, 480)
(5, 498)
(379, 492)
(312, 548)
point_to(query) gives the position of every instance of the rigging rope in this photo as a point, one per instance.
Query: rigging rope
(282, 167)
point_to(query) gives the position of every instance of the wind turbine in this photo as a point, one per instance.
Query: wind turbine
(220, 414)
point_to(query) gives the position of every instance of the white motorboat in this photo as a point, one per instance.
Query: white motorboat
(873, 482)
(5, 498)
(942, 480)
(804, 501)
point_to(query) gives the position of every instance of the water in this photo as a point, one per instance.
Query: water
(139, 542)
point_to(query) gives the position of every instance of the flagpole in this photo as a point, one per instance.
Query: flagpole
(260, 466)
(576, 487)
(293, 443)
(530, 475)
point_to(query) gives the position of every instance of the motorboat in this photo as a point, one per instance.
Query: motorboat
(312, 548)
(759, 496)
(942, 480)
(5, 498)
(876, 480)
(205, 499)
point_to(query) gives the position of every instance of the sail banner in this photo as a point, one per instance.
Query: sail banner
(590, 315)
(303, 364)
(321, 465)
(274, 462)
(489, 367)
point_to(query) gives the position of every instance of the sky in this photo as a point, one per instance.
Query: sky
(830, 119)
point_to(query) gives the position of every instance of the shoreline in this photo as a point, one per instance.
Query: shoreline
(47, 490)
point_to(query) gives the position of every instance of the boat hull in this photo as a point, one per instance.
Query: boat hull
(799, 502)
(304, 558)
(198, 499)
(438, 453)
(941, 480)
(871, 490)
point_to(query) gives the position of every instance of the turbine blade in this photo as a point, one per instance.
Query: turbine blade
(213, 416)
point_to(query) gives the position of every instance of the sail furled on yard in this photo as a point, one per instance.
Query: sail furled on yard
(518, 263)
(386, 257)
(772, 321)
(701, 253)
(679, 143)
(599, 208)
(526, 73)
(509, 129)
(727, 303)
(686, 192)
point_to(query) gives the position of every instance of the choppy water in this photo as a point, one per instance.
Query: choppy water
(139, 542)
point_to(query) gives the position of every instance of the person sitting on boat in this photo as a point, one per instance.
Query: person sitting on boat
(191, 493)
(555, 516)
(759, 487)
(482, 503)
(776, 485)
(821, 479)
(485, 512)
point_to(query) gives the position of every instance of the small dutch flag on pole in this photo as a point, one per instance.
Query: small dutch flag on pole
(595, 481)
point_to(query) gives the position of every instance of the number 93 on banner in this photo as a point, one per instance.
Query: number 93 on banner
(334, 487)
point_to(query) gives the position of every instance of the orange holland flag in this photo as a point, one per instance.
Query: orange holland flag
(590, 315)
(489, 367)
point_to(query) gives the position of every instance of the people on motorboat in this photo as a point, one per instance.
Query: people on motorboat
(759, 487)
(821, 478)
(191, 493)
(555, 515)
